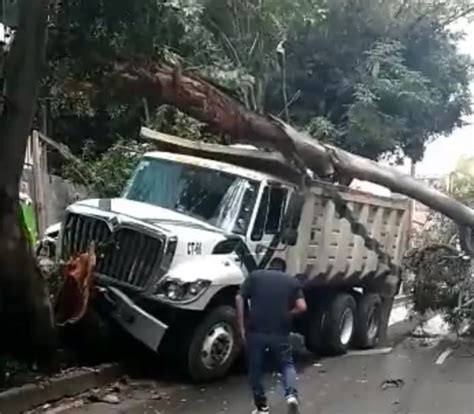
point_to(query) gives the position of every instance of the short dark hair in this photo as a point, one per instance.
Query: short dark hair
(278, 264)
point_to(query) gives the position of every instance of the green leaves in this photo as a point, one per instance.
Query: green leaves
(388, 101)
(375, 77)
(106, 174)
(386, 74)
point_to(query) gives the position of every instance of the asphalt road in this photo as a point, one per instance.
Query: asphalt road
(420, 382)
(417, 377)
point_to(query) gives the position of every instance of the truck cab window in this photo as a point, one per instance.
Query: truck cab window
(270, 212)
(260, 221)
(276, 210)
(247, 206)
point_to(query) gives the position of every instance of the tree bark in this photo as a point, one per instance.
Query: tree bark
(224, 114)
(25, 312)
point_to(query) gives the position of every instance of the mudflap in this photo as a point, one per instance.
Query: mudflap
(140, 324)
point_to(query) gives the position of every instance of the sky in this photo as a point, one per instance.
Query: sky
(441, 155)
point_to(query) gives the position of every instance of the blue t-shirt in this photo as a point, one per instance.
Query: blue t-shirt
(270, 296)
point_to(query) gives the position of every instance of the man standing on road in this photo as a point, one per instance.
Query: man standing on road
(266, 303)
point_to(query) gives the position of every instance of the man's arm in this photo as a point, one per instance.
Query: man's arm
(299, 301)
(242, 295)
(239, 306)
(300, 307)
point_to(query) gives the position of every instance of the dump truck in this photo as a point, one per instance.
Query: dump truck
(187, 230)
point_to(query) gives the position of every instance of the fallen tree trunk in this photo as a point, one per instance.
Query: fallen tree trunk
(225, 115)
(25, 313)
(354, 166)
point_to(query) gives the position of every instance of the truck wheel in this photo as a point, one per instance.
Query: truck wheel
(367, 321)
(314, 328)
(214, 346)
(338, 328)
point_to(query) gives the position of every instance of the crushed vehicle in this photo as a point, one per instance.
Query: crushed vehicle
(187, 230)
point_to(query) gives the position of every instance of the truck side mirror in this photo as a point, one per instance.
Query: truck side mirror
(292, 219)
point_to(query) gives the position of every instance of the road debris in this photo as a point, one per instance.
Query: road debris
(444, 356)
(368, 352)
(434, 327)
(110, 399)
(392, 383)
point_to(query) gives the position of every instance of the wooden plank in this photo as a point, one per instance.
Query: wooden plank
(60, 147)
(28, 153)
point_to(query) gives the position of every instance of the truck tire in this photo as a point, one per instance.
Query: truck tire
(313, 328)
(214, 345)
(367, 321)
(338, 327)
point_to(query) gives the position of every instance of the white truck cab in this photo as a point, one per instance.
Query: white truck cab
(174, 249)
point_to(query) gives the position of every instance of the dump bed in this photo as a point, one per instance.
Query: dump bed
(350, 238)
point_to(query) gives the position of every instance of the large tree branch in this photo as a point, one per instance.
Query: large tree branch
(456, 16)
(208, 104)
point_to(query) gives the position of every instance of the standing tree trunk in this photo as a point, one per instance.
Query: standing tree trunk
(26, 323)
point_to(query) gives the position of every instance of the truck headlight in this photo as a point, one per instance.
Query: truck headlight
(177, 291)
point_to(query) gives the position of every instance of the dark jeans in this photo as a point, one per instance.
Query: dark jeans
(280, 350)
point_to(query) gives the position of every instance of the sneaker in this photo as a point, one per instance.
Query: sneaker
(263, 410)
(293, 405)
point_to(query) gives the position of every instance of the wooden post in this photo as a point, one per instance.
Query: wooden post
(38, 179)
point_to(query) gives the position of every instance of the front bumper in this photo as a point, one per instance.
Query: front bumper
(132, 318)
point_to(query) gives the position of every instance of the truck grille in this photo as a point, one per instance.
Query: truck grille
(128, 256)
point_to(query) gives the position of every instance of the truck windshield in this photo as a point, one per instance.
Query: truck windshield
(221, 199)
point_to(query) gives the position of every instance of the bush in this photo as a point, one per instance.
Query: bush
(442, 275)
(106, 174)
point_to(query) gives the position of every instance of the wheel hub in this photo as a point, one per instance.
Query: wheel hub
(217, 346)
(373, 325)
(346, 326)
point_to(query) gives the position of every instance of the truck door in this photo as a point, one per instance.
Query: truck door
(265, 235)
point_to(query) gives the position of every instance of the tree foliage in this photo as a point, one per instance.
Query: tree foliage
(443, 279)
(86, 38)
(373, 77)
(443, 282)
(439, 229)
(106, 174)
(387, 75)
